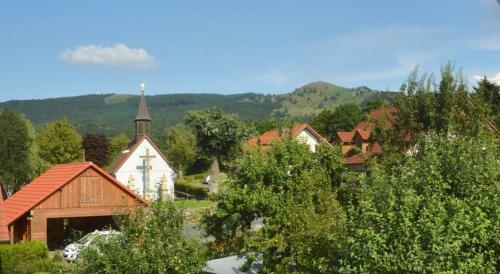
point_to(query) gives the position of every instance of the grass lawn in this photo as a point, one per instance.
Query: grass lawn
(193, 203)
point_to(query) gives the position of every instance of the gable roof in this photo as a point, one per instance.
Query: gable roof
(270, 136)
(345, 136)
(376, 116)
(48, 183)
(125, 154)
(364, 134)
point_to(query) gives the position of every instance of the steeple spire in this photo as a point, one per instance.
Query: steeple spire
(142, 120)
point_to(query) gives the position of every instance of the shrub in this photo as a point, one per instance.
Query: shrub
(198, 191)
(25, 257)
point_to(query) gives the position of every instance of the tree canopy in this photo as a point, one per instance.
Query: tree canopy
(117, 144)
(96, 148)
(60, 143)
(290, 190)
(150, 241)
(344, 118)
(437, 211)
(19, 161)
(179, 145)
(219, 135)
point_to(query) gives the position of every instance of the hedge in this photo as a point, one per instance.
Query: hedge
(25, 257)
(197, 191)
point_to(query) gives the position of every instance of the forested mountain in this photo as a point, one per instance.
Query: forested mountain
(115, 113)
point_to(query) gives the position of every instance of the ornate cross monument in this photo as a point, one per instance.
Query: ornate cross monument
(146, 167)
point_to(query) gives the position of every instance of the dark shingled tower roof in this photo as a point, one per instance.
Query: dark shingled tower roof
(143, 113)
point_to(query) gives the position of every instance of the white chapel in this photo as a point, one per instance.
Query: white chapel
(142, 167)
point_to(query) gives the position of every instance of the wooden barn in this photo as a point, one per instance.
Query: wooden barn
(67, 197)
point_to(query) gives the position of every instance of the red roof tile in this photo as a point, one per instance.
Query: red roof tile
(376, 115)
(354, 159)
(269, 137)
(365, 134)
(48, 183)
(375, 148)
(345, 136)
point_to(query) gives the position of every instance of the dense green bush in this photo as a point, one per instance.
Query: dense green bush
(196, 190)
(151, 241)
(26, 257)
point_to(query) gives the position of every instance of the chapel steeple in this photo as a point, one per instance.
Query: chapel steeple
(142, 120)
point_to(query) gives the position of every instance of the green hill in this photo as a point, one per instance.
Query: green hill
(115, 113)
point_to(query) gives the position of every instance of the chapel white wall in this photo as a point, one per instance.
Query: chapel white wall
(307, 137)
(159, 168)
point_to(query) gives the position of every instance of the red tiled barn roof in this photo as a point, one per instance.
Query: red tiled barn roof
(48, 183)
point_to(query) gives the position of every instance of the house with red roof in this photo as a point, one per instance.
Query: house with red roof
(79, 196)
(303, 132)
(356, 145)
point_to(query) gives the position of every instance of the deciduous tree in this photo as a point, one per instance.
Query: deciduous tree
(436, 211)
(60, 143)
(344, 118)
(117, 144)
(96, 147)
(19, 161)
(291, 190)
(219, 135)
(180, 147)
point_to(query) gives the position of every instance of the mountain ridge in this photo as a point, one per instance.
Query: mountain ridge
(113, 113)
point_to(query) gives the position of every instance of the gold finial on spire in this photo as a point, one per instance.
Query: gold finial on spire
(142, 88)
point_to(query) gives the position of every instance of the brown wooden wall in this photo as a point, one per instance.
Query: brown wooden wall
(90, 189)
(90, 194)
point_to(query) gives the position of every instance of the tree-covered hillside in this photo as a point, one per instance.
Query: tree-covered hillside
(115, 113)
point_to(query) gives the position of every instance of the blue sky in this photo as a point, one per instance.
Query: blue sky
(65, 48)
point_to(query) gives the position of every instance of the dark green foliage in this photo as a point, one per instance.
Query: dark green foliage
(374, 104)
(27, 257)
(434, 212)
(292, 190)
(192, 190)
(219, 135)
(424, 106)
(96, 148)
(19, 161)
(343, 118)
(151, 241)
(488, 94)
(112, 114)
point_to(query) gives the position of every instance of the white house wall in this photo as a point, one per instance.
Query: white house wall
(159, 167)
(309, 139)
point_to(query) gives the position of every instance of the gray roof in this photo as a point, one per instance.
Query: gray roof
(143, 112)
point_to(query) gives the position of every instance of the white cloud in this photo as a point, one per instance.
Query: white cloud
(495, 78)
(119, 55)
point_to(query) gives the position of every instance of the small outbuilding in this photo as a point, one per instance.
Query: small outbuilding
(68, 197)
